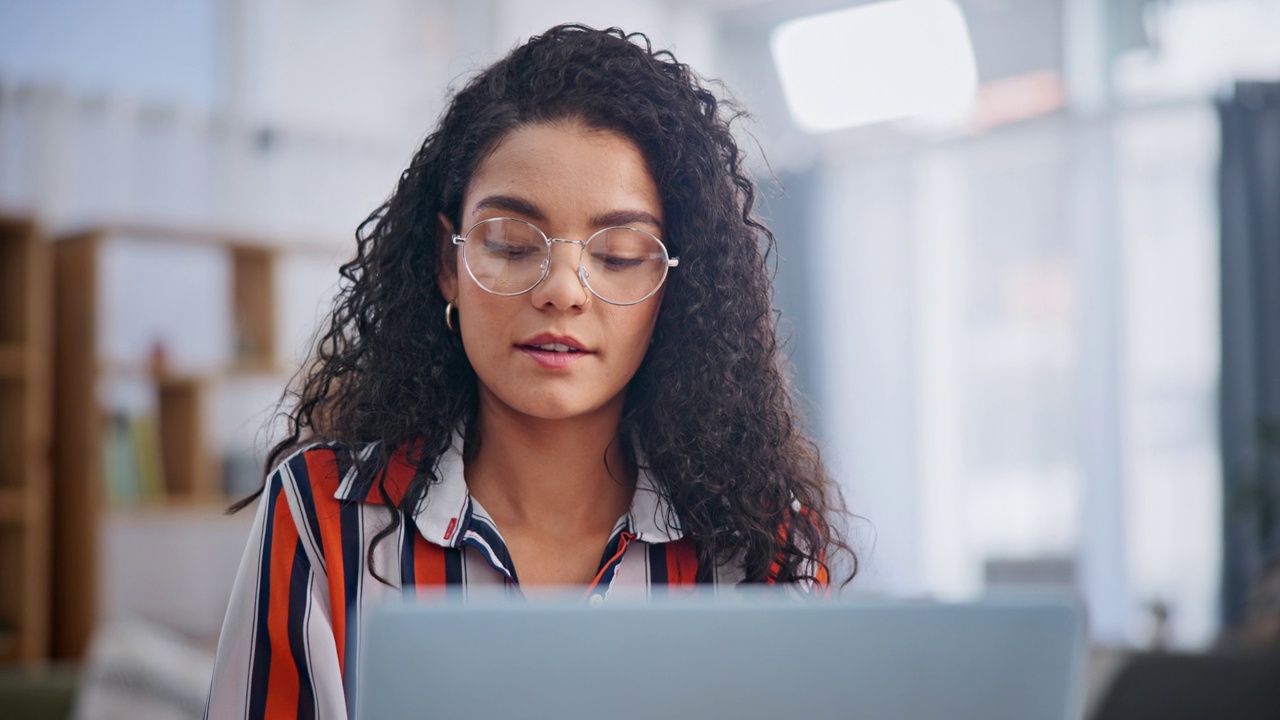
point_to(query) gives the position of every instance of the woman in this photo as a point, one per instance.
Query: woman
(553, 362)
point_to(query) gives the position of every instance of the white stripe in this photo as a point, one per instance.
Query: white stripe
(490, 525)
(401, 531)
(306, 638)
(493, 557)
(264, 505)
(310, 542)
(344, 487)
(362, 566)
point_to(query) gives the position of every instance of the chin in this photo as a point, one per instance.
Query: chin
(554, 405)
(556, 409)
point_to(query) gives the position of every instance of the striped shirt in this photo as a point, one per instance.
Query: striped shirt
(289, 641)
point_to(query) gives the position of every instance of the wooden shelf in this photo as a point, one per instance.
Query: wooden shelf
(13, 504)
(175, 508)
(8, 646)
(166, 400)
(13, 361)
(25, 438)
(142, 371)
(210, 236)
(253, 299)
(187, 472)
(19, 251)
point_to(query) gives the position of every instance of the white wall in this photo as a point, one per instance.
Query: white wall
(683, 27)
(366, 70)
(141, 49)
(381, 69)
(1019, 361)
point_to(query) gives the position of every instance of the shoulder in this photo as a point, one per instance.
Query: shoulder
(318, 468)
(307, 482)
(304, 499)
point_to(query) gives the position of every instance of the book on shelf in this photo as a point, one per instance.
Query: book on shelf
(132, 454)
(146, 446)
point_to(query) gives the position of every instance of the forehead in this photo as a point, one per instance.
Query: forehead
(565, 168)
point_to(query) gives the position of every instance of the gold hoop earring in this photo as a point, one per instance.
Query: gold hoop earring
(448, 317)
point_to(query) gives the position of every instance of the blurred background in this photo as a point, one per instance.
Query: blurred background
(1026, 251)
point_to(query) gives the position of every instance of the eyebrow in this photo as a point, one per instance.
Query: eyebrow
(626, 217)
(509, 203)
(614, 218)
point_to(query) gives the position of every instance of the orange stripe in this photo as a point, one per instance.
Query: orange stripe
(682, 563)
(395, 478)
(775, 567)
(428, 566)
(322, 469)
(822, 577)
(622, 549)
(282, 697)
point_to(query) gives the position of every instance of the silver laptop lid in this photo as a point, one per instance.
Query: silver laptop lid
(740, 660)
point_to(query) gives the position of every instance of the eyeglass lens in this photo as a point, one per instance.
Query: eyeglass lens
(509, 257)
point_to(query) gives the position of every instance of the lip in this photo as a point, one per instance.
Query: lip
(549, 359)
(552, 339)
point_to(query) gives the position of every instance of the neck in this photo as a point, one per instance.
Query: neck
(551, 474)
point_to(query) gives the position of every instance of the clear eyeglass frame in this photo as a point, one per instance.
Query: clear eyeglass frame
(583, 275)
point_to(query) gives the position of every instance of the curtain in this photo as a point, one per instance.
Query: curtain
(1249, 197)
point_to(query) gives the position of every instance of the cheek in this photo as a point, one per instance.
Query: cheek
(635, 330)
(482, 317)
(652, 307)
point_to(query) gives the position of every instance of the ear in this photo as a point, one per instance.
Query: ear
(446, 259)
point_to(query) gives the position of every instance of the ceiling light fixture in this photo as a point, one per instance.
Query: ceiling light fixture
(883, 61)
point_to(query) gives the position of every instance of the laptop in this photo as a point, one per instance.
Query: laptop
(742, 659)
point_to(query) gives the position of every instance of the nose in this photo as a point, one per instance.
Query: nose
(562, 287)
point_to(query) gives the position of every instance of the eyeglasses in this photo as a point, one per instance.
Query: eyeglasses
(619, 265)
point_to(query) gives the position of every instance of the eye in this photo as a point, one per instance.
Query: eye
(618, 262)
(624, 250)
(513, 250)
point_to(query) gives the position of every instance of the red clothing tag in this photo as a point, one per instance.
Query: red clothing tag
(448, 532)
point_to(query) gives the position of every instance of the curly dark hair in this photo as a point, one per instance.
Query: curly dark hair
(709, 410)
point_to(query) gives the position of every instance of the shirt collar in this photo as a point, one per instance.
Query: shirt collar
(443, 510)
(442, 514)
(653, 520)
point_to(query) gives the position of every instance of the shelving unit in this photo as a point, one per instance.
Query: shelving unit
(174, 382)
(25, 434)
(188, 469)
(254, 288)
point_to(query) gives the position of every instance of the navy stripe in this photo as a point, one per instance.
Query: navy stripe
(260, 672)
(658, 567)
(407, 549)
(500, 558)
(299, 590)
(610, 549)
(342, 458)
(468, 515)
(349, 521)
(298, 466)
(453, 566)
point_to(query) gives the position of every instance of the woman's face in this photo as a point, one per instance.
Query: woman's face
(569, 181)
